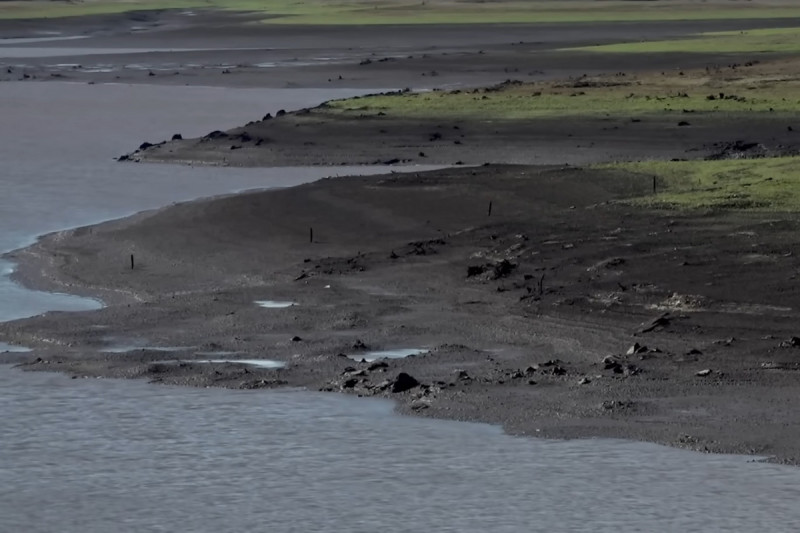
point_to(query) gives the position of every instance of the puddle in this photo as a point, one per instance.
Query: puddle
(30, 40)
(258, 363)
(388, 354)
(8, 348)
(132, 348)
(274, 304)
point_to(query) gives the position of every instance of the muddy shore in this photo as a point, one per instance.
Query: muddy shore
(540, 300)
(564, 313)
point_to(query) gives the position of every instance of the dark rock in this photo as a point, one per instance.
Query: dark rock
(146, 145)
(359, 345)
(280, 113)
(403, 382)
(502, 269)
(296, 339)
(377, 365)
(683, 123)
(268, 116)
(462, 375)
(793, 342)
(216, 134)
(636, 348)
(177, 137)
(475, 270)
(348, 369)
(350, 383)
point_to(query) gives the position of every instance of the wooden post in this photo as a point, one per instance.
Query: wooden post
(310, 234)
(654, 184)
(132, 264)
(489, 213)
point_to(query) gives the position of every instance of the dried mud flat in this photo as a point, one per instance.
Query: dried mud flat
(563, 313)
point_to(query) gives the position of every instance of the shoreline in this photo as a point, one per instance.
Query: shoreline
(406, 286)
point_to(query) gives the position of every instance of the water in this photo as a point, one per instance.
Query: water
(399, 353)
(8, 348)
(273, 304)
(58, 153)
(93, 456)
(259, 363)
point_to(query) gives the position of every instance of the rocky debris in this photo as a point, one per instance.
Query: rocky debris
(618, 405)
(659, 322)
(553, 367)
(703, 373)
(636, 349)
(584, 381)
(494, 271)
(216, 134)
(792, 342)
(403, 382)
(618, 366)
(377, 365)
(359, 345)
(738, 150)
(350, 383)
(462, 375)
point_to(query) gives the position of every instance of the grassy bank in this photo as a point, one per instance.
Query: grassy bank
(770, 184)
(753, 88)
(775, 40)
(426, 11)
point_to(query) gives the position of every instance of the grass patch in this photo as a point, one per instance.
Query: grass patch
(757, 88)
(352, 12)
(776, 40)
(769, 184)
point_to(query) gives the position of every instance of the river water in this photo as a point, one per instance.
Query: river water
(84, 456)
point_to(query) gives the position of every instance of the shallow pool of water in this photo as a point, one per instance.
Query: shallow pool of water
(5, 348)
(274, 304)
(398, 353)
(260, 363)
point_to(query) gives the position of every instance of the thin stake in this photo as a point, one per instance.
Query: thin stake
(310, 234)
(490, 209)
(654, 185)
(132, 265)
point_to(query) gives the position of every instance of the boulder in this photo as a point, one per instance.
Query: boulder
(403, 382)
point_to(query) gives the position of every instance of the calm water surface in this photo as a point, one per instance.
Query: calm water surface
(86, 456)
